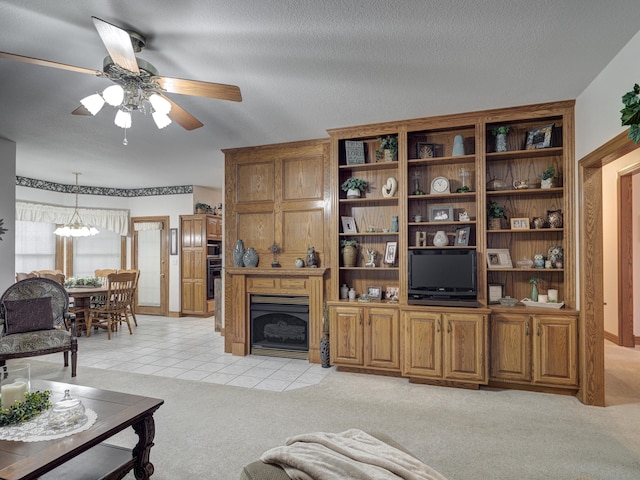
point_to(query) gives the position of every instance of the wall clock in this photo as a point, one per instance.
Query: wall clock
(440, 185)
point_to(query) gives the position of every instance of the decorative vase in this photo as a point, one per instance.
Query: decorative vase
(394, 223)
(238, 253)
(352, 294)
(546, 183)
(353, 193)
(458, 146)
(534, 293)
(501, 142)
(388, 156)
(324, 351)
(495, 224)
(344, 292)
(349, 256)
(250, 258)
(440, 239)
(299, 263)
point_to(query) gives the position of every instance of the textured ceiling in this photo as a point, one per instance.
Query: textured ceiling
(303, 66)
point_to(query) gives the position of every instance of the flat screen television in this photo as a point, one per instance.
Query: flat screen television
(443, 277)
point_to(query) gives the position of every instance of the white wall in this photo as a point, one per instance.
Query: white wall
(161, 205)
(7, 213)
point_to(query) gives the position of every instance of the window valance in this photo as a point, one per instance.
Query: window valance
(114, 220)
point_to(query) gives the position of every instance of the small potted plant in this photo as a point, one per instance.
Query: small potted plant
(203, 208)
(501, 137)
(388, 148)
(547, 177)
(631, 113)
(495, 213)
(354, 186)
(349, 252)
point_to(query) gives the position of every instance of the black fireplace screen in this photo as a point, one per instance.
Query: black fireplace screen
(279, 322)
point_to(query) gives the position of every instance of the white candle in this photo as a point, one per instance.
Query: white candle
(542, 299)
(14, 392)
(553, 295)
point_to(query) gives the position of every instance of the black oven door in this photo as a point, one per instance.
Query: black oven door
(214, 268)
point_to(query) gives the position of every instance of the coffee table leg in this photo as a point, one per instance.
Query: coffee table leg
(146, 430)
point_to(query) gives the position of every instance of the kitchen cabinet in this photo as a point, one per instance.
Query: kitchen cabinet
(193, 265)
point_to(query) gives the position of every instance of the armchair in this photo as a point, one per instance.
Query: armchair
(35, 320)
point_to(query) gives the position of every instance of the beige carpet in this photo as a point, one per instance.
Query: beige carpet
(208, 431)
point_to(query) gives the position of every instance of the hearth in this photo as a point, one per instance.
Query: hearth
(279, 325)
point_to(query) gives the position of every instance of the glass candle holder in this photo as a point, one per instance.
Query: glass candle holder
(15, 382)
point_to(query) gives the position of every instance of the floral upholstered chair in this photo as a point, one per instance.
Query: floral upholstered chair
(35, 320)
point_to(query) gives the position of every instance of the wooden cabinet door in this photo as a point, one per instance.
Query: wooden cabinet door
(511, 347)
(422, 342)
(214, 228)
(464, 347)
(382, 342)
(555, 350)
(347, 335)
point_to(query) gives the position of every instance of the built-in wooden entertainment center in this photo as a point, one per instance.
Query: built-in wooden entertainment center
(514, 347)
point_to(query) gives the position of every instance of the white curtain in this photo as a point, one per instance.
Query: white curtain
(114, 220)
(145, 226)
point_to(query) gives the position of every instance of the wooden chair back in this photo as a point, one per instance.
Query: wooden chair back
(103, 273)
(115, 308)
(134, 298)
(56, 277)
(23, 275)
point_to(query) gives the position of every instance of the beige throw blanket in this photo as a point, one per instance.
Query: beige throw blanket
(352, 454)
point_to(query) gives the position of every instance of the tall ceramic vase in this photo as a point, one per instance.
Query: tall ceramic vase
(250, 257)
(238, 253)
(501, 142)
(534, 293)
(349, 256)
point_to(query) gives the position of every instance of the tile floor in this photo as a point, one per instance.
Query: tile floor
(189, 348)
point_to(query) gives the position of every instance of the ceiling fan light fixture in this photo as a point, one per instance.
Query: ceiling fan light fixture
(161, 119)
(113, 95)
(160, 104)
(123, 119)
(93, 103)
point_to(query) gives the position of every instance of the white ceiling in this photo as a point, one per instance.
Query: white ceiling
(303, 66)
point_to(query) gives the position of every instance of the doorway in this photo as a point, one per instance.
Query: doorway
(591, 265)
(150, 255)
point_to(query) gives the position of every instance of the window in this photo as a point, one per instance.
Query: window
(35, 246)
(103, 250)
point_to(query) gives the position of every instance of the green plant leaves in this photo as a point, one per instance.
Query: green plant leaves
(630, 114)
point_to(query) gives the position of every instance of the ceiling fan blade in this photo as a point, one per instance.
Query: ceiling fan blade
(47, 63)
(81, 110)
(181, 116)
(118, 43)
(199, 89)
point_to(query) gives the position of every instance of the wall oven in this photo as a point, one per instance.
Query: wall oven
(214, 270)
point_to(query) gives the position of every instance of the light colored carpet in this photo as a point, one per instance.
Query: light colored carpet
(208, 431)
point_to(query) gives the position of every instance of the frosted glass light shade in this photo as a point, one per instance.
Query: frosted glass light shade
(113, 95)
(123, 119)
(159, 104)
(161, 119)
(93, 103)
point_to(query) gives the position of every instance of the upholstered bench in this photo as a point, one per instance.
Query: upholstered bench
(259, 470)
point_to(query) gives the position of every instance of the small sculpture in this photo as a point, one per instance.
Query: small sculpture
(556, 255)
(312, 259)
(275, 249)
(372, 258)
(390, 188)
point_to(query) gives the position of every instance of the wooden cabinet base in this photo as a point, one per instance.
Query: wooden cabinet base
(444, 383)
(534, 388)
(369, 371)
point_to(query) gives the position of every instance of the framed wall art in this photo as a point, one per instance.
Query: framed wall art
(498, 258)
(425, 150)
(348, 225)
(519, 224)
(354, 152)
(496, 292)
(390, 253)
(374, 293)
(539, 137)
(462, 236)
(441, 213)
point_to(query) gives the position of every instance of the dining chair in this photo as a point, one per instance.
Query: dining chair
(134, 297)
(56, 277)
(23, 275)
(115, 308)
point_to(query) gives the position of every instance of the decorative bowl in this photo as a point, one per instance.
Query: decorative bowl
(508, 301)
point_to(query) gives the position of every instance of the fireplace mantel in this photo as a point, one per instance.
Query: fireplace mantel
(245, 281)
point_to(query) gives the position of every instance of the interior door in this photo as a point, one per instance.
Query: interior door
(150, 255)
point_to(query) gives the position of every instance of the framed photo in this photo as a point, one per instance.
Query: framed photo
(348, 225)
(354, 152)
(390, 253)
(462, 236)
(519, 224)
(173, 241)
(498, 258)
(539, 137)
(374, 293)
(392, 294)
(496, 292)
(441, 213)
(425, 150)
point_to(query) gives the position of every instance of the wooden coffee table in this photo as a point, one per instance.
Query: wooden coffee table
(84, 455)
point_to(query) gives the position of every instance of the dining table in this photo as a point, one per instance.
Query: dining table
(82, 302)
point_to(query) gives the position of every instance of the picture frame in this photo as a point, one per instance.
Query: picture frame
(425, 150)
(354, 152)
(495, 293)
(349, 225)
(520, 224)
(374, 292)
(173, 241)
(498, 258)
(462, 236)
(392, 294)
(390, 253)
(441, 213)
(539, 137)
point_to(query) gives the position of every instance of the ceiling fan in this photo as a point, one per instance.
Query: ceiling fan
(137, 83)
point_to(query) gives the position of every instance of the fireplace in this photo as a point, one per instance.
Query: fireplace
(279, 326)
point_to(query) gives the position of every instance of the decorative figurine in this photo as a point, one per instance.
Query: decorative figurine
(372, 258)
(538, 260)
(312, 259)
(275, 249)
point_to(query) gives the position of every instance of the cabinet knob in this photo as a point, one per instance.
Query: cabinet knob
(448, 326)
(526, 329)
(438, 326)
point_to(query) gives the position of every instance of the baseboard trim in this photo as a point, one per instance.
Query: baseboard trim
(612, 337)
